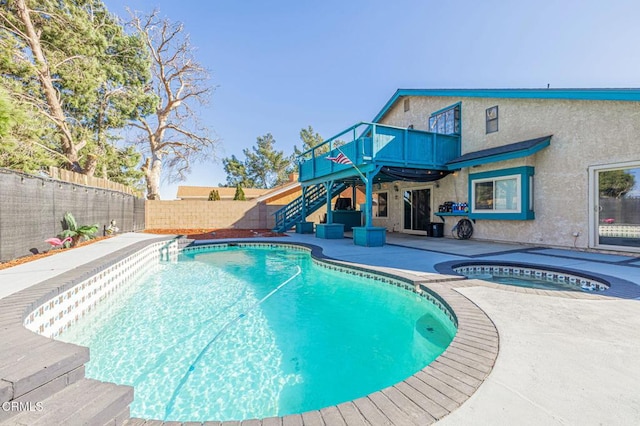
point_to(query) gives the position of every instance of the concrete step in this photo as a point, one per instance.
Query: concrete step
(35, 361)
(86, 402)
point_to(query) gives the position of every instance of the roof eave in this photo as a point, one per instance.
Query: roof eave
(500, 157)
(616, 94)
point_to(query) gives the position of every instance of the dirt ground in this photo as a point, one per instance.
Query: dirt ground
(195, 234)
(25, 259)
(216, 234)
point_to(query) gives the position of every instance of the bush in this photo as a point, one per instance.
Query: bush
(214, 195)
(75, 232)
(239, 194)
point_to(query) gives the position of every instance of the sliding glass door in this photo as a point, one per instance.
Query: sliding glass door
(417, 210)
(616, 218)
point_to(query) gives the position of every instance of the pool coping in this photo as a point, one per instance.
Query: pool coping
(421, 399)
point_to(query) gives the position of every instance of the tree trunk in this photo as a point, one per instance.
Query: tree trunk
(152, 172)
(44, 76)
(90, 165)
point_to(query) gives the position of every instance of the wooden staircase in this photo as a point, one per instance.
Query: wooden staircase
(315, 198)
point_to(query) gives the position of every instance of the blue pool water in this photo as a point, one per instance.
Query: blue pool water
(256, 332)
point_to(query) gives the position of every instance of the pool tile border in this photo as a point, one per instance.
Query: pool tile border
(580, 282)
(55, 316)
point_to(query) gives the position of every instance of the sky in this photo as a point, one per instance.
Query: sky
(281, 65)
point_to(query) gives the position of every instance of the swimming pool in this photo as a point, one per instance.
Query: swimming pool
(255, 333)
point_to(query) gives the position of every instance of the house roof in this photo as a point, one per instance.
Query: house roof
(280, 191)
(500, 153)
(629, 95)
(202, 192)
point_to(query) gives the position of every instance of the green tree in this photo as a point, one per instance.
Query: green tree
(122, 165)
(236, 172)
(71, 61)
(310, 139)
(266, 166)
(172, 137)
(615, 183)
(22, 141)
(214, 195)
(263, 167)
(239, 195)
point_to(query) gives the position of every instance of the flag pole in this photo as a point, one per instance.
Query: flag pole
(364, 179)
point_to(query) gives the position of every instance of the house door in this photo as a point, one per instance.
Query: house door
(616, 207)
(417, 210)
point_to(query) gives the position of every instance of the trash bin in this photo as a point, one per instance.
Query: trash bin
(437, 230)
(429, 228)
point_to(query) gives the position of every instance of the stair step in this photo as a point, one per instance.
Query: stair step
(287, 217)
(86, 402)
(27, 367)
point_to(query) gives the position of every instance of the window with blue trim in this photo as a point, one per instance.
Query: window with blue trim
(446, 121)
(502, 194)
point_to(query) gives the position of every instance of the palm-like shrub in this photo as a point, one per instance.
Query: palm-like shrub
(75, 232)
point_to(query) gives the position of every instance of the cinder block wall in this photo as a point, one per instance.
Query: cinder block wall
(193, 214)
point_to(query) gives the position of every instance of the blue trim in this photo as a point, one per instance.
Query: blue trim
(445, 109)
(455, 165)
(626, 94)
(526, 211)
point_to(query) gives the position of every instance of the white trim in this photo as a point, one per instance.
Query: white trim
(594, 207)
(494, 179)
(275, 192)
(401, 192)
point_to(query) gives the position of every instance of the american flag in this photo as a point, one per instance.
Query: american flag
(340, 159)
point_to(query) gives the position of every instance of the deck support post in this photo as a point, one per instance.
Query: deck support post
(368, 185)
(369, 235)
(328, 185)
(303, 208)
(304, 227)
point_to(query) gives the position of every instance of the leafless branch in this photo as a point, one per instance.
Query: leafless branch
(172, 139)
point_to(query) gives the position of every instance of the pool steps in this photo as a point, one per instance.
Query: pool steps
(46, 379)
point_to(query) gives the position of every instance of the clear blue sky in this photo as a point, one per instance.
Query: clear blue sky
(281, 65)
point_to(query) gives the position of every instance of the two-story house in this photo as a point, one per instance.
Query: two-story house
(554, 167)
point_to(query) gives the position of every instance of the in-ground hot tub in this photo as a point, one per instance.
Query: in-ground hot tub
(527, 275)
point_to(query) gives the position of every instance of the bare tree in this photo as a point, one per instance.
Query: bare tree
(172, 137)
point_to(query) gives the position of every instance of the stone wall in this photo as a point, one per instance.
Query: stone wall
(193, 214)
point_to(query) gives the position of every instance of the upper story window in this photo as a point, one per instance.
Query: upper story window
(446, 121)
(492, 119)
(407, 104)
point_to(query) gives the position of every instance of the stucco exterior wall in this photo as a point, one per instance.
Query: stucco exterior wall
(585, 133)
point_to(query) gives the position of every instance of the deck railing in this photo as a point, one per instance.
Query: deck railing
(370, 143)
